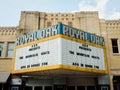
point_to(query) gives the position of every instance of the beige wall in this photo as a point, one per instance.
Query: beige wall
(7, 34)
(113, 31)
(5, 64)
(87, 21)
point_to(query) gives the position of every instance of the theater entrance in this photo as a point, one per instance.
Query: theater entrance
(60, 87)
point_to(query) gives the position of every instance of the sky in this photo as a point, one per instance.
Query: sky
(10, 10)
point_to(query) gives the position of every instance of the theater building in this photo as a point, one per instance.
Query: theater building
(60, 51)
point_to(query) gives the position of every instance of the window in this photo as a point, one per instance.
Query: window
(70, 24)
(62, 18)
(48, 24)
(51, 18)
(115, 45)
(10, 49)
(51, 14)
(1, 48)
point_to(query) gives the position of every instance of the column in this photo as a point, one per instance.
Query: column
(111, 82)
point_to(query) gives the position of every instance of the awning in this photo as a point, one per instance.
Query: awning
(4, 76)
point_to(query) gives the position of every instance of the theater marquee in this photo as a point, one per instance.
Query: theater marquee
(60, 47)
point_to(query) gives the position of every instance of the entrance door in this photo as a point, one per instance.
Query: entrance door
(70, 87)
(90, 87)
(80, 87)
(14, 88)
(104, 88)
(28, 87)
(59, 87)
(48, 88)
(116, 82)
(38, 88)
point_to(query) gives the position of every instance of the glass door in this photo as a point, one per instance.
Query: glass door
(38, 88)
(59, 87)
(15, 88)
(28, 87)
(48, 88)
(80, 87)
(90, 87)
(70, 87)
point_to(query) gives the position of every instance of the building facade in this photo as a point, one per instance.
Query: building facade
(7, 41)
(64, 78)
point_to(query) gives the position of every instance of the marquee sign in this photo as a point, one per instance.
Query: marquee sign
(60, 29)
(59, 46)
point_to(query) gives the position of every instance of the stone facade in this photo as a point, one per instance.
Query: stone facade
(38, 20)
(7, 34)
(113, 32)
(87, 21)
